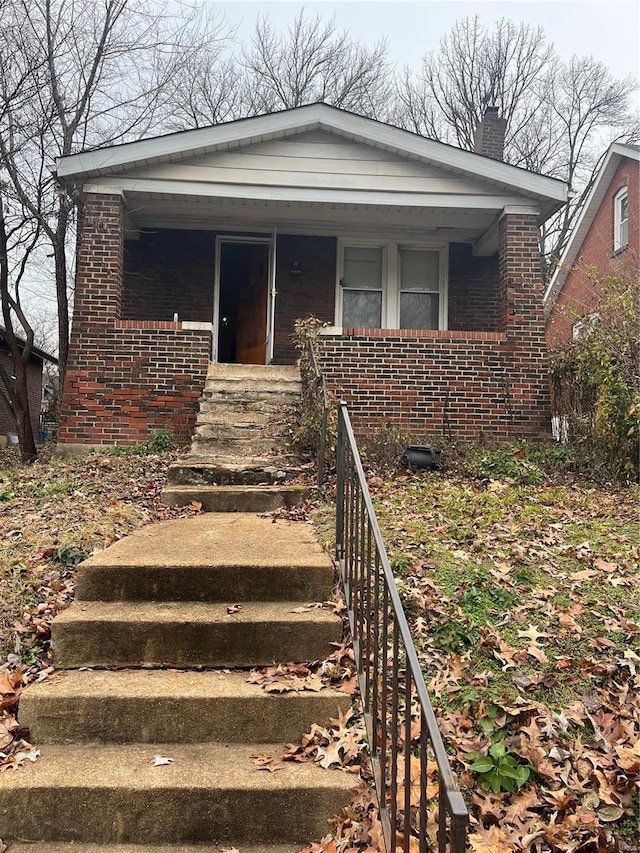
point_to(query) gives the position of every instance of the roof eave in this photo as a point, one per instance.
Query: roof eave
(616, 153)
(103, 162)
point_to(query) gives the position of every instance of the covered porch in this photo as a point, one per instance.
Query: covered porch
(422, 259)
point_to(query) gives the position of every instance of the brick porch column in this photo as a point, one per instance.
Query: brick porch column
(97, 301)
(520, 304)
(99, 260)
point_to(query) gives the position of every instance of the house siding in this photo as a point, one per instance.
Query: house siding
(597, 258)
(310, 293)
(34, 391)
(473, 290)
(314, 160)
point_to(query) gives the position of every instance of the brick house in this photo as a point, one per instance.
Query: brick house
(34, 379)
(208, 244)
(605, 239)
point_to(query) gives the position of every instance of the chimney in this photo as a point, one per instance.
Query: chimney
(489, 137)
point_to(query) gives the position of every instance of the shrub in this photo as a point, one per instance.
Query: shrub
(595, 379)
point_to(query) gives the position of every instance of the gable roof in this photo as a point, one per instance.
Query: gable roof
(36, 352)
(616, 152)
(550, 193)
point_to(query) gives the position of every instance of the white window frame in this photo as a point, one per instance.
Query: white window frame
(618, 242)
(390, 318)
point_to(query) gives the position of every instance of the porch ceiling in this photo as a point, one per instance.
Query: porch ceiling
(454, 224)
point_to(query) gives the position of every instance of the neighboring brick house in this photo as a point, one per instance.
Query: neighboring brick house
(604, 242)
(208, 244)
(34, 379)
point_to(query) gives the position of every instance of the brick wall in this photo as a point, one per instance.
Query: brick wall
(300, 295)
(472, 385)
(449, 383)
(128, 380)
(124, 377)
(473, 290)
(34, 388)
(580, 292)
(169, 272)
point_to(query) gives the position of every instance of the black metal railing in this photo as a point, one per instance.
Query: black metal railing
(321, 398)
(417, 791)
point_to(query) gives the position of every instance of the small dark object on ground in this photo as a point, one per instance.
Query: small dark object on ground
(418, 458)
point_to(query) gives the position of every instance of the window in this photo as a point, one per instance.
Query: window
(362, 287)
(419, 289)
(392, 286)
(620, 220)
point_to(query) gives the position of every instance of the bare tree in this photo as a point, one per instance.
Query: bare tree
(20, 75)
(106, 77)
(313, 62)
(560, 116)
(472, 69)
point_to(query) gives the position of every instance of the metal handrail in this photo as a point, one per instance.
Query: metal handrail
(389, 673)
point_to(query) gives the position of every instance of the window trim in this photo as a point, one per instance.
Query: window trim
(390, 318)
(618, 245)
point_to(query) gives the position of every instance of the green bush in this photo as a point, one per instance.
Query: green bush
(508, 462)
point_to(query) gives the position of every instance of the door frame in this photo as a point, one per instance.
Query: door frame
(237, 238)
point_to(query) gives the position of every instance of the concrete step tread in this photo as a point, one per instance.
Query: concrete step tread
(88, 847)
(197, 767)
(253, 370)
(192, 613)
(239, 463)
(132, 684)
(182, 706)
(220, 539)
(236, 498)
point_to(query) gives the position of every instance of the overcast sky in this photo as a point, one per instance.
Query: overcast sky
(608, 30)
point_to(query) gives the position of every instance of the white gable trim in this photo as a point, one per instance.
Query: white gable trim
(308, 195)
(179, 146)
(614, 156)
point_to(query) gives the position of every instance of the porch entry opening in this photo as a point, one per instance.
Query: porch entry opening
(243, 302)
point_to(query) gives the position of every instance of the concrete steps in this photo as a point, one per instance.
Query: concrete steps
(241, 439)
(222, 563)
(140, 706)
(236, 498)
(189, 634)
(173, 604)
(210, 792)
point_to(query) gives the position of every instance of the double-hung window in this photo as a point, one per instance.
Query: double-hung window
(362, 289)
(392, 286)
(620, 220)
(419, 289)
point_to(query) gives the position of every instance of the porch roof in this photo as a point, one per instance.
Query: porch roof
(252, 169)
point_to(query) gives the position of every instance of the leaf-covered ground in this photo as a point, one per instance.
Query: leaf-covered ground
(525, 606)
(52, 515)
(524, 601)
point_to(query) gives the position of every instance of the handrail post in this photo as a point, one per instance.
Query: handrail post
(340, 482)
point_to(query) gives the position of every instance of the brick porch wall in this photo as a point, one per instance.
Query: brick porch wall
(449, 383)
(472, 385)
(127, 376)
(124, 377)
